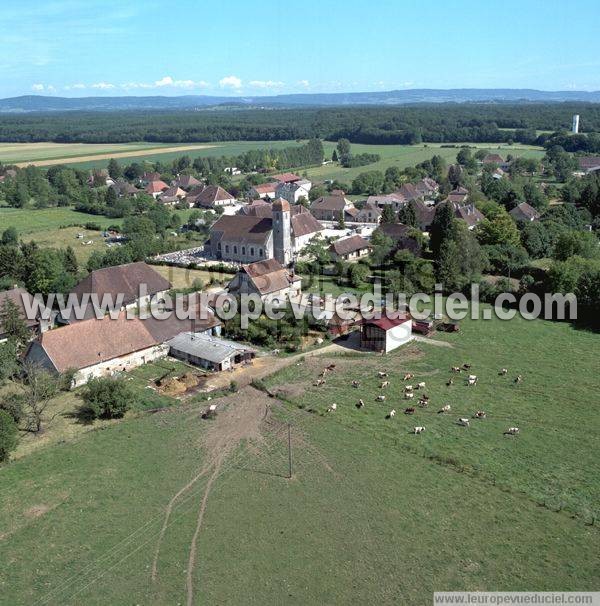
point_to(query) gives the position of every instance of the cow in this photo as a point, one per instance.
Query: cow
(449, 382)
(392, 413)
(466, 366)
(512, 431)
(455, 369)
(418, 430)
(409, 395)
(409, 411)
(480, 414)
(408, 376)
(446, 408)
(464, 422)
(518, 379)
(380, 398)
(381, 374)
(360, 404)
(421, 385)
(503, 371)
(423, 403)
(331, 367)
(408, 388)
(319, 382)
(384, 385)
(332, 408)
(356, 384)
(472, 382)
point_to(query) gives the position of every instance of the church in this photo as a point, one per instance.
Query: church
(263, 231)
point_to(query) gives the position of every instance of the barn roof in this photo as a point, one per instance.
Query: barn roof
(349, 245)
(389, 322)
(206, 347)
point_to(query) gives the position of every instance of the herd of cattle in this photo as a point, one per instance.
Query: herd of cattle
(423, 399)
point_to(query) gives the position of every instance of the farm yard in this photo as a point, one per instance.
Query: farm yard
(372, 512)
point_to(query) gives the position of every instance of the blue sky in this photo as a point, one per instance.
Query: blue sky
(245, 47)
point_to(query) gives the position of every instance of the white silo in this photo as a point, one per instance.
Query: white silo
(575, 129)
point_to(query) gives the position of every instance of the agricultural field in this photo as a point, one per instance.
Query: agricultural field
(90, 155)
(404, 156)
(372, 513)
(29, 220)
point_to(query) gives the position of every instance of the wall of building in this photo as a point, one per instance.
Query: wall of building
(398, 335)
(232, 250)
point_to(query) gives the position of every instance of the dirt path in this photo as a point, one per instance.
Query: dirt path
(239, 419)
(108, 156)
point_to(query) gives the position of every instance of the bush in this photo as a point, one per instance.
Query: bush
(107, 398)
(13, 405)
(233, 386)
(93, 226)
(8, 435)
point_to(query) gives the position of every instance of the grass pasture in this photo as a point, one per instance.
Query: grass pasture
(28, 220)
(372, 514)
(404, 156)
(554, 460)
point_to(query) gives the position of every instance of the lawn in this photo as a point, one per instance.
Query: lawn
(373, 514)
(404, 156)
(28, 220)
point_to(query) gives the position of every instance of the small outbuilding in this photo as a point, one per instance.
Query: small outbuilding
(387, 333)
(347, 249)
(211, 353)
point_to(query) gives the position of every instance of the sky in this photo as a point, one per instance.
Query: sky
(78, 48)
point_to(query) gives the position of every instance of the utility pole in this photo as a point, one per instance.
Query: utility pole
(289, 451)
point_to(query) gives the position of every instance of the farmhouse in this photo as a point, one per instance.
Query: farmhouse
(394, 200)
(493, 159)
(172, 195)
(213, 196)
(269, 279)
(286, 177)
(186, 182)
(589, 164)
(330, 208)
(369, 213)
(524, 212)
(130, 285)
(124, 188)
(469, 213)
(293, 191)
(458, 195)
(18, 296)
(148, 177)
(387, 333)
(156, 188)
(265, 190)
(427, 187)
(348, 249)
(206, 351)
(95, 348)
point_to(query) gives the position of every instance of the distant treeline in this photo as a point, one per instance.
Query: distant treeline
(436, 123)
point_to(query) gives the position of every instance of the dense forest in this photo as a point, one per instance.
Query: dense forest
(465, 122)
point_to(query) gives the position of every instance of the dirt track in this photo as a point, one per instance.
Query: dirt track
(125, 154)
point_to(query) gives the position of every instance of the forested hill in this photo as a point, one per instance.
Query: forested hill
(406, 124)
(29, 103)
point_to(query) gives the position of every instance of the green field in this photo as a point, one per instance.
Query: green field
(27, 220)
(391, 155)
(404, 156)
(373, 514)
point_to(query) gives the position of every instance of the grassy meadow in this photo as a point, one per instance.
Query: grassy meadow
(372, 513)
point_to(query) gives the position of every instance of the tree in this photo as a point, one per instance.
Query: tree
(8, 435)
(37, 388)
(370, 183)
(358, 274)
(13, 323)
(114, 169)
(442, 227)
(455, 175)
(408, 215)
(343, 150)
(581, 243)
(70, 261)
(9, 365)
(499, 229)
(317, 251)
(334, 156)
(108, 398)
(381, 247)
(10, 236)
(388, 215)
(341, 221)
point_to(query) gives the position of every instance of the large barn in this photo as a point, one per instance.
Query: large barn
(387, 333)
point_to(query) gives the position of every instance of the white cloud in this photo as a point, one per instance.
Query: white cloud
(230, 82)
(167, 82)
(78, 86)
(103, 85)
(304, 83)
(43, 88)
(265, 84)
